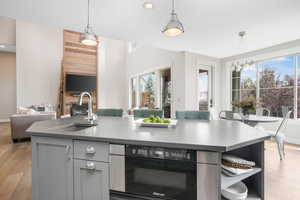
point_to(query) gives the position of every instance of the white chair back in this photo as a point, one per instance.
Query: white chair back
(284, 110)
(283, 123)
(230, 115)
(262, 111)
(213, 113)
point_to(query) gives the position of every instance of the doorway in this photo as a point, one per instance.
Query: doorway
(204, 88)
(166, 86)
(7, 85)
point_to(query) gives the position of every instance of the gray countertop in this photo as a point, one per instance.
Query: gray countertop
(218, 135)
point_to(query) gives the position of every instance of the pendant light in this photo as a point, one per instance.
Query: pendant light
(88, 37)
(239, 65)
(174, 27)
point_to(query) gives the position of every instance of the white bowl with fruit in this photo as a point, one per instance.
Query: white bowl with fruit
(156, 121)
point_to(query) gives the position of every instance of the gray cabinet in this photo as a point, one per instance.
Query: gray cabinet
(117, 173)
(52, 169)
(208, 182)
(91, 180)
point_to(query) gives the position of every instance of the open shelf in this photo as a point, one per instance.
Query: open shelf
(227, 181)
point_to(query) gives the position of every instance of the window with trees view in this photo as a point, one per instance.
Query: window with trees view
(274, 83)
(147, 90)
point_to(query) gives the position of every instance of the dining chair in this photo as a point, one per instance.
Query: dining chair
(193, 114)
(144, 113)
(279, 135)
(284, 110)
(230, 115)
(213, 113)
(110, 112)
(263, 112)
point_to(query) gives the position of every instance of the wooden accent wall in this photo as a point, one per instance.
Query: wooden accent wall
(78, 59)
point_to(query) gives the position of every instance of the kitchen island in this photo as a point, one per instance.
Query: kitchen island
(70, 162)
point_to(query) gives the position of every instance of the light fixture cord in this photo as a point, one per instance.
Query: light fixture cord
(88, 24)
(173, 10)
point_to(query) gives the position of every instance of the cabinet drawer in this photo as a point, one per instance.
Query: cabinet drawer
(91, 180)
(87, 150)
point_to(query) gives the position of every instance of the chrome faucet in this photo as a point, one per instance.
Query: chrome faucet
(91, 117)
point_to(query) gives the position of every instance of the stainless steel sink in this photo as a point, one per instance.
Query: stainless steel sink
(68, 128)
(73, 128)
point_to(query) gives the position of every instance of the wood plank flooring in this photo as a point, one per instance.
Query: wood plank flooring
(282, 178)
(15, 167)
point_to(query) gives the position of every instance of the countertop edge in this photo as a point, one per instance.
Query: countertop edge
(151, 143)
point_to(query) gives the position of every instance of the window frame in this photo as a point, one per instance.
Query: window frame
(138, 90)
(296, 65)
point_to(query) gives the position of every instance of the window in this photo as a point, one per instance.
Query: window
(244, 83)
(273, 82)
(147, 90)
(203, 89)
(152, 91)
(276, 85)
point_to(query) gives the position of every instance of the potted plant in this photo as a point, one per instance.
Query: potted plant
(246, 105)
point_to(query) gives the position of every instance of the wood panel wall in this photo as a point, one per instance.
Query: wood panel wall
(78, 59)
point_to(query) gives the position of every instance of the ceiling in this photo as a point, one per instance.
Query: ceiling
(211, 26)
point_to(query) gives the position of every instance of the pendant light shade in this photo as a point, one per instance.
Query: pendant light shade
(88, 37)
(174, 27)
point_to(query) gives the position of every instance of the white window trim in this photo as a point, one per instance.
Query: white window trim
(157, 86)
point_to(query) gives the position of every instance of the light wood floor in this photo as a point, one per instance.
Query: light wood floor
(282, 178)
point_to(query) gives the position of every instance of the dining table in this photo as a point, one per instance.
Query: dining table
(253, 120)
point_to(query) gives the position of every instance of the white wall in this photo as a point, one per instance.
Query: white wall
(112, 73)
(148, 59)
(39, 54)
(192, 63)
(8, 31)
(7, 85)
(183, 73)
(285, 49)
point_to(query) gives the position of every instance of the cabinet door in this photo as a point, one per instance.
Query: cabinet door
(52, 169)
(117, 173)
(91, 180)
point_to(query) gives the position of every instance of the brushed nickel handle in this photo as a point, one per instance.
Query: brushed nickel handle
(90, 150)
(158, 194)
(90, 165)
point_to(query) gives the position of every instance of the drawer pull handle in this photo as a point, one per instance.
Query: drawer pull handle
(90, 165)
(90, 150)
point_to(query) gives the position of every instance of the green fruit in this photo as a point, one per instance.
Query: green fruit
(147, 120)
(166, 121)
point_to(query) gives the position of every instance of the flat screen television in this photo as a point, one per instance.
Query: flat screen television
(80, 83)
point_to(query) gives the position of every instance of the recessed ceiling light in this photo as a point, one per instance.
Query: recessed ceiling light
(2, 46)
(148, 5)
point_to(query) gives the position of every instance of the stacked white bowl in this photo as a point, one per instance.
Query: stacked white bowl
(238, 191)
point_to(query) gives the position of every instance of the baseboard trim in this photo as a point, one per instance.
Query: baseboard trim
(4, 120)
